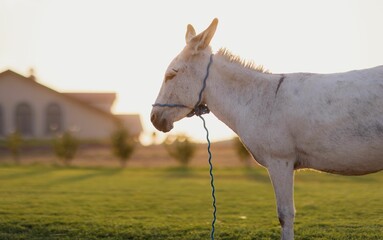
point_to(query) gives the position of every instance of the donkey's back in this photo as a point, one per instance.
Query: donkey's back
(335, 120)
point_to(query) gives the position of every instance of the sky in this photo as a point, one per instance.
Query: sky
(125, 46)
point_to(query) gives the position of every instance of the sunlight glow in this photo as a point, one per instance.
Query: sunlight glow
(125, 46)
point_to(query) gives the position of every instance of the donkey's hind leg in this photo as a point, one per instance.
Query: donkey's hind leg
(282, 176)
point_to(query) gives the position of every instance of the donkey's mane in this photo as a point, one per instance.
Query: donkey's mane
(224, 52)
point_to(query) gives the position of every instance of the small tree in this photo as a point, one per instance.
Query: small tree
(14, 142)
(65, 147)
(180, 148)
(241, 151)
(123, 145)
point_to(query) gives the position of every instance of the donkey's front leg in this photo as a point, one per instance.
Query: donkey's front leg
(282, 176)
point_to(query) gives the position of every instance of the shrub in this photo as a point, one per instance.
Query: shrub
(180, 148)
(241, 151)
(65, 147)
(14, 142)
(123, 145)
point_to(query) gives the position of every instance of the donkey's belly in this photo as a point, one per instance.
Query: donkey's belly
(343, 145)
(344, 160)
(347, 169)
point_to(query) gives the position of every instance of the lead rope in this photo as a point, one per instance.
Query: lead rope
(211, 180)
(198, 110)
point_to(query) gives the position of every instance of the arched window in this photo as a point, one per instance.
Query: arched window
(24, 119)
(2, 120)
(53, 119)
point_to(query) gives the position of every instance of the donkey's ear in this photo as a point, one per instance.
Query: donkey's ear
(202, 40)
(190, 33)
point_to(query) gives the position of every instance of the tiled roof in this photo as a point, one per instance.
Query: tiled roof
(93, 98)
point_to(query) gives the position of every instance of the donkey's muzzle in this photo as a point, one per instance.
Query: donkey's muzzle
(160, 123)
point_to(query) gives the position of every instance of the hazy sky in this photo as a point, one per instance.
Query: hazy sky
(125, 46)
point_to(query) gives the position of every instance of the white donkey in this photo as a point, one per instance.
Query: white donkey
(328, 122)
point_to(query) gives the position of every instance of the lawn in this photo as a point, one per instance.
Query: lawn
(47, 202)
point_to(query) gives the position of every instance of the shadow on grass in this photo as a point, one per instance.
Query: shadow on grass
(180, 172)
(81, 176)
(138, 231)
(256, 175)
(25, 172)
(339, 231)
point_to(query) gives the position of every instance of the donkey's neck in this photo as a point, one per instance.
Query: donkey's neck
(236, 93)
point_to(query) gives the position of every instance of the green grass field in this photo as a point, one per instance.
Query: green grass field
(42, 202)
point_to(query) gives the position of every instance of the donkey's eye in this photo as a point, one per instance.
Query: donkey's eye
(170, 76)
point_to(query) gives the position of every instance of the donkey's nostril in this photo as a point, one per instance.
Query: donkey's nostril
(153, 117)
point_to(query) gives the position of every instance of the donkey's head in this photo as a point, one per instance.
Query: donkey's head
(183, 79)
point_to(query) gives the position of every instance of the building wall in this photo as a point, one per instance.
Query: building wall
(84, 121)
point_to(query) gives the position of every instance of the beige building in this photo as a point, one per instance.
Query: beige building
(37, 111)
